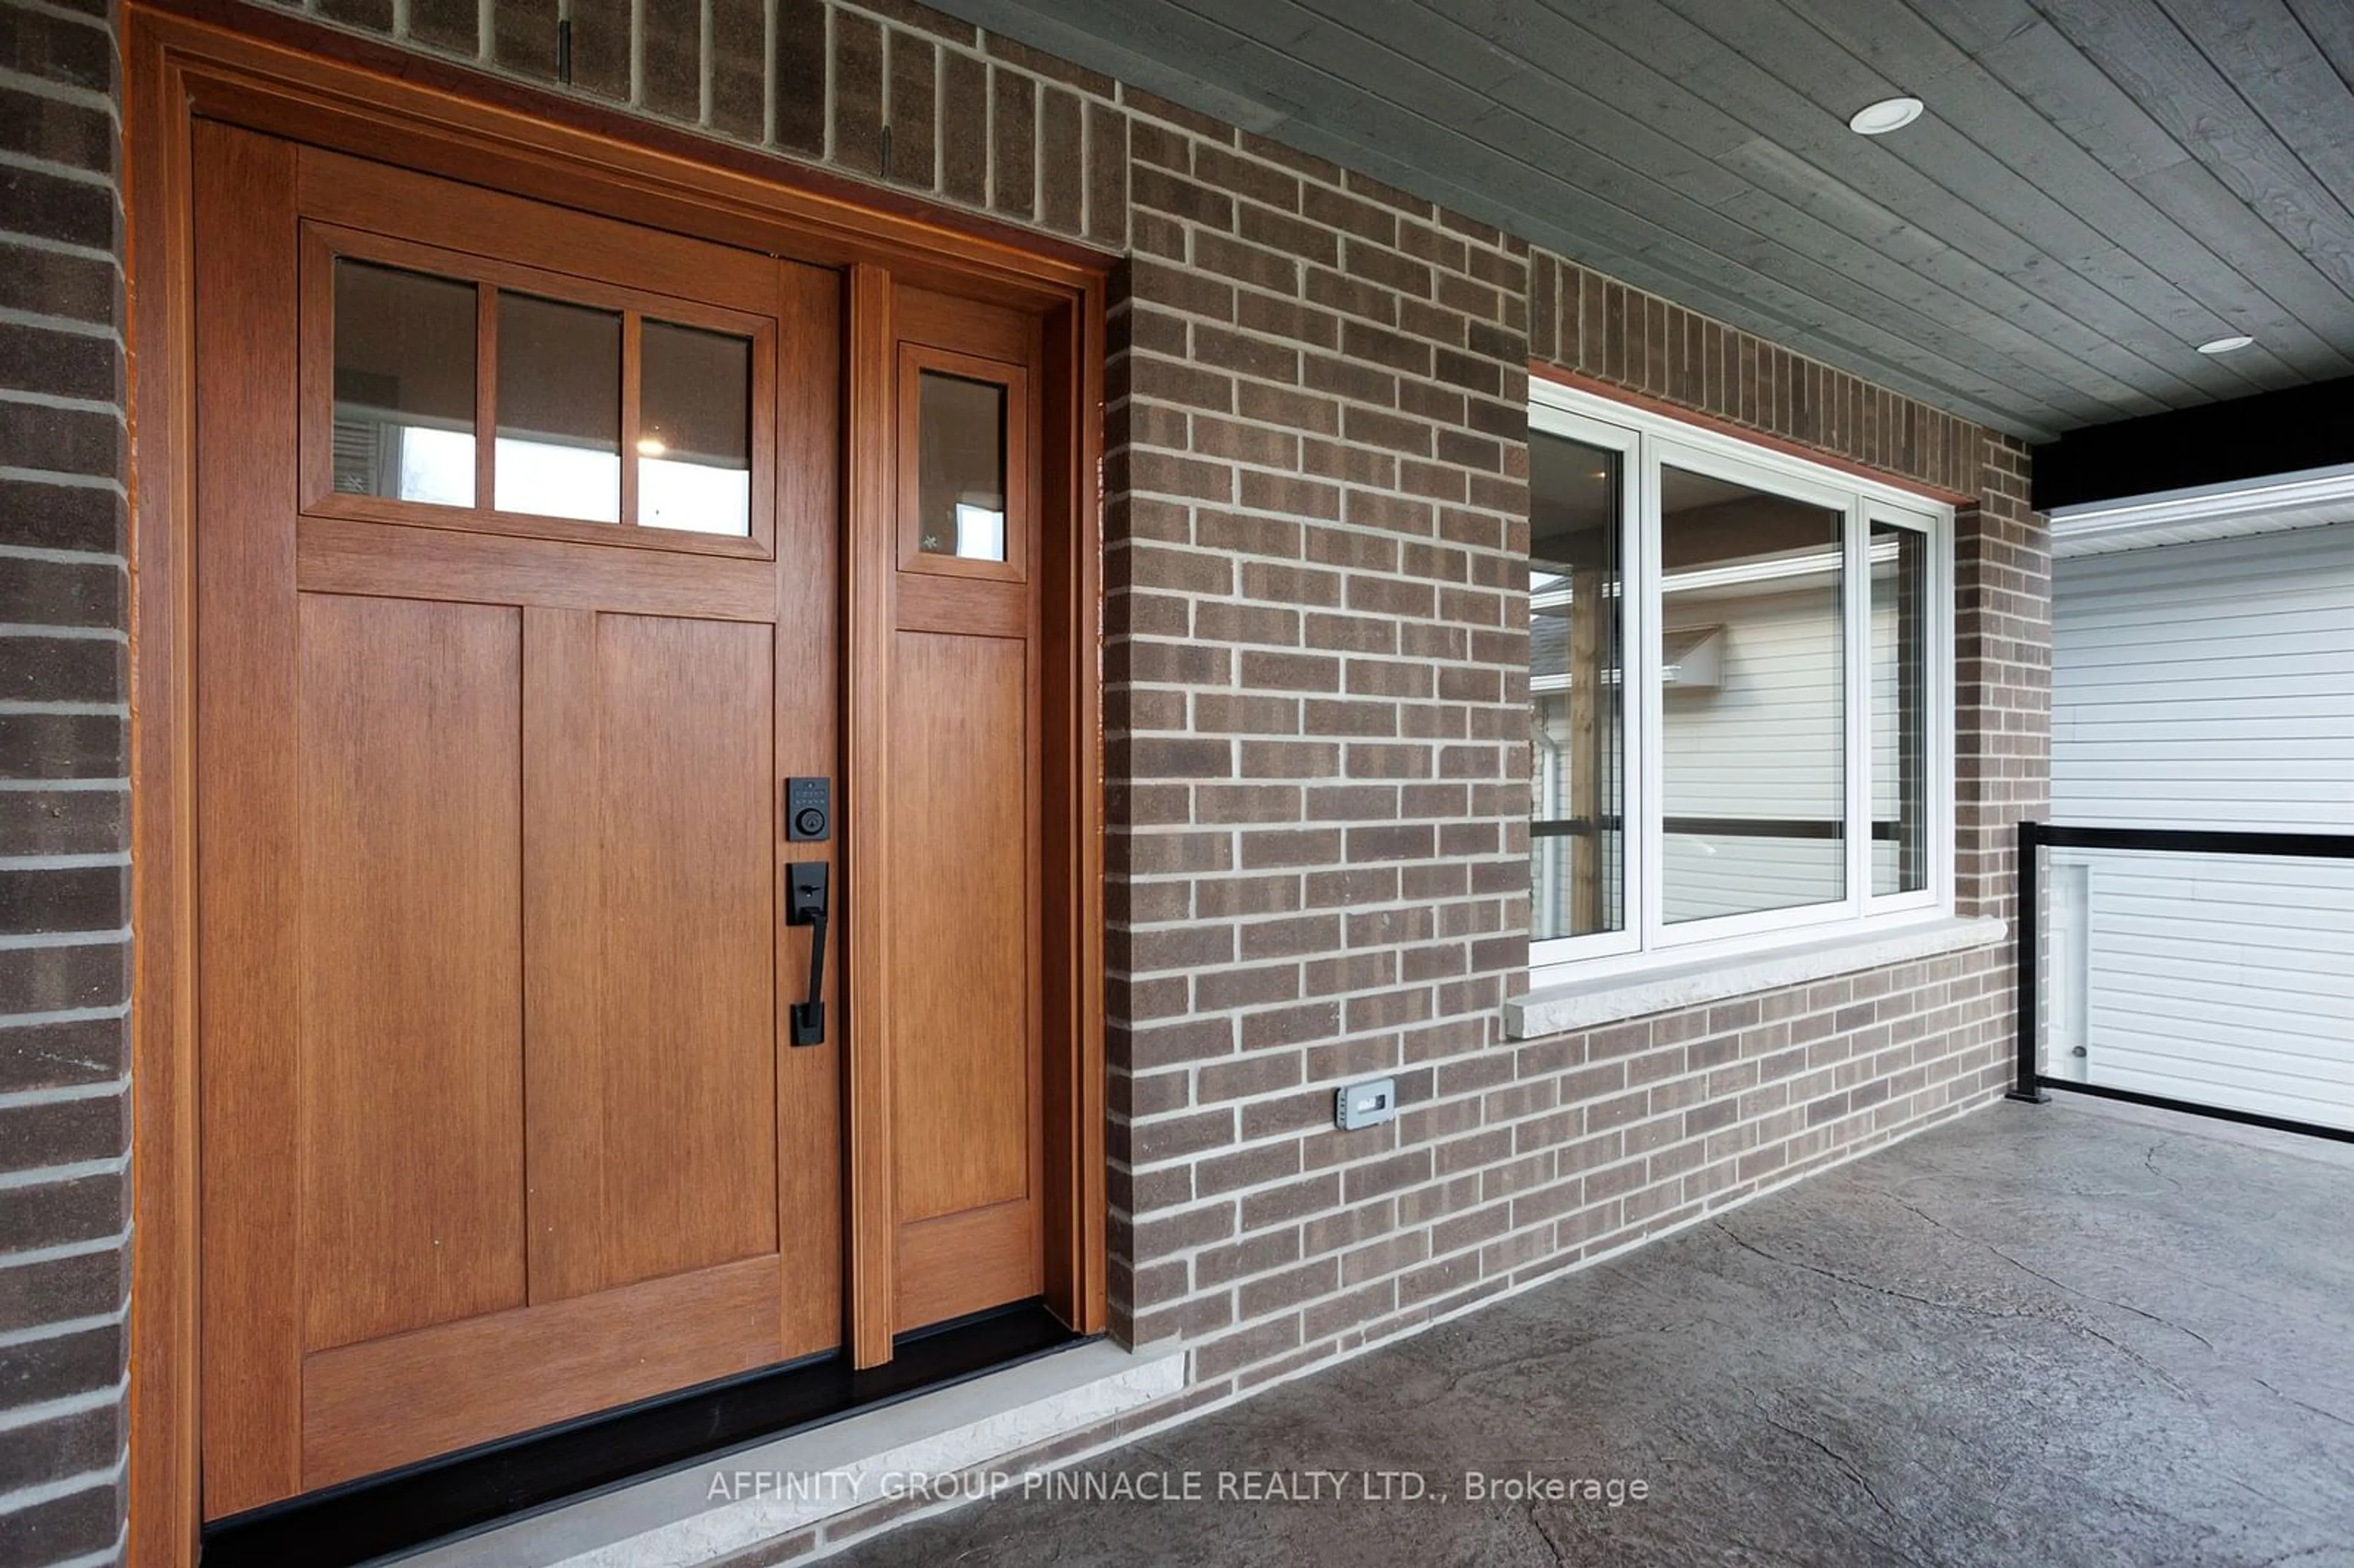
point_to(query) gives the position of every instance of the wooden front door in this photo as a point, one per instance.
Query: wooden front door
(517, 603)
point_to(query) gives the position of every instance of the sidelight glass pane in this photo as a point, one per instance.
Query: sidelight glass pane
(961, 459)
(1900, 707)
(1752, 699)
(559, 442)
(404, 352)
(694, 431)
(1577, 842)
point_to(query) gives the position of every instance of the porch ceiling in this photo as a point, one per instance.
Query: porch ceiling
(2096, 187)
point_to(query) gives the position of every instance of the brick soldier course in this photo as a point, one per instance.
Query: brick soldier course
(1316, 705)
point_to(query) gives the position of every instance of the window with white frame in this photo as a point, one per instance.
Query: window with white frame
(1740, 693)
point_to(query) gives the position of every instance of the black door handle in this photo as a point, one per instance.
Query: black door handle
(805, 889)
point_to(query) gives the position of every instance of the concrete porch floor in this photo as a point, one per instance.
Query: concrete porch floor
(2039, 1336)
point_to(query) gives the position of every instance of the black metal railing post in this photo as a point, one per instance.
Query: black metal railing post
(2029, 1083)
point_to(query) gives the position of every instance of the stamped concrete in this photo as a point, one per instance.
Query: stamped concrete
(2039, 1336)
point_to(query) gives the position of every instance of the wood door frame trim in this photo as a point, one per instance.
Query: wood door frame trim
(189, 59)
(871, 484)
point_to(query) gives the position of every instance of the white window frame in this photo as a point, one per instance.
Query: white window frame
(1644, 441)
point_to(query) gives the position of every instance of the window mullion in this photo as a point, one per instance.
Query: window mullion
(1856, 620)
(1648, 840)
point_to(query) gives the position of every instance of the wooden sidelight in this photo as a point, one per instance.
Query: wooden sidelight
(954, 1218)
(531, 557)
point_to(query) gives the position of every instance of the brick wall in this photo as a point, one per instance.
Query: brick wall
(890, 93)
(1318, 443)
(63, 823)
(1319, 651)
(1316, 680)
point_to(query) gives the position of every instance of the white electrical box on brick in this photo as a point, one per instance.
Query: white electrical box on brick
(1366, 1104)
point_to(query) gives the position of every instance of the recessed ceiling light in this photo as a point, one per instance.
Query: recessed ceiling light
(651, 446)
(1888, 115)
(2225, 344)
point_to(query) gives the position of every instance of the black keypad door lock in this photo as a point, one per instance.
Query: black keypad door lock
(805, 904)
(809, 810)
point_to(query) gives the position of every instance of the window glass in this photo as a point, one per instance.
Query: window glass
(559, 403)
(1753, 702)
(1900, 705)
(403, 351)
(962, 472)
(694, 442)
(1577, 842)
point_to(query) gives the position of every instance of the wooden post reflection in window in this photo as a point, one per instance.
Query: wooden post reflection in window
(1585, 749)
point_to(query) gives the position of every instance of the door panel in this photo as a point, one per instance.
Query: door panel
(688, 1017)
(411, 921)
(962, 952)
(653, 1124)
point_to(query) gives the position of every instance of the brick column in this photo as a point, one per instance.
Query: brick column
(64, 838)
(2003, 708)
(2002, 704)
(1317, 685)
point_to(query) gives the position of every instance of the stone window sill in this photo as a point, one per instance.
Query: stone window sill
(1612, 998)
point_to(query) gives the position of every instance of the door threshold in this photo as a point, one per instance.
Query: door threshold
(432, 1507)
(727, 1507)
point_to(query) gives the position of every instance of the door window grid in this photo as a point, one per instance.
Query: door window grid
(605, 412)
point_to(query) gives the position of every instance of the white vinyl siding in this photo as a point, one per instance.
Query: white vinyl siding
(1745, 750)
(1763, 743)
(2207, 685)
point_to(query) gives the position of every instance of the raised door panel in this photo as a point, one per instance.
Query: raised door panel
(687, 1017)
(963, 1048)
(411, 921)
(960, 948)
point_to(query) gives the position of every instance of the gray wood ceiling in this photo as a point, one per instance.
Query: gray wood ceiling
(2097, 185)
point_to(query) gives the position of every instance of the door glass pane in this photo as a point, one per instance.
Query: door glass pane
(1900, 705)
(1752, 699)
(404, 349)
(559, 447)
(961, 507)
(695, 425)
(1577, 842)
